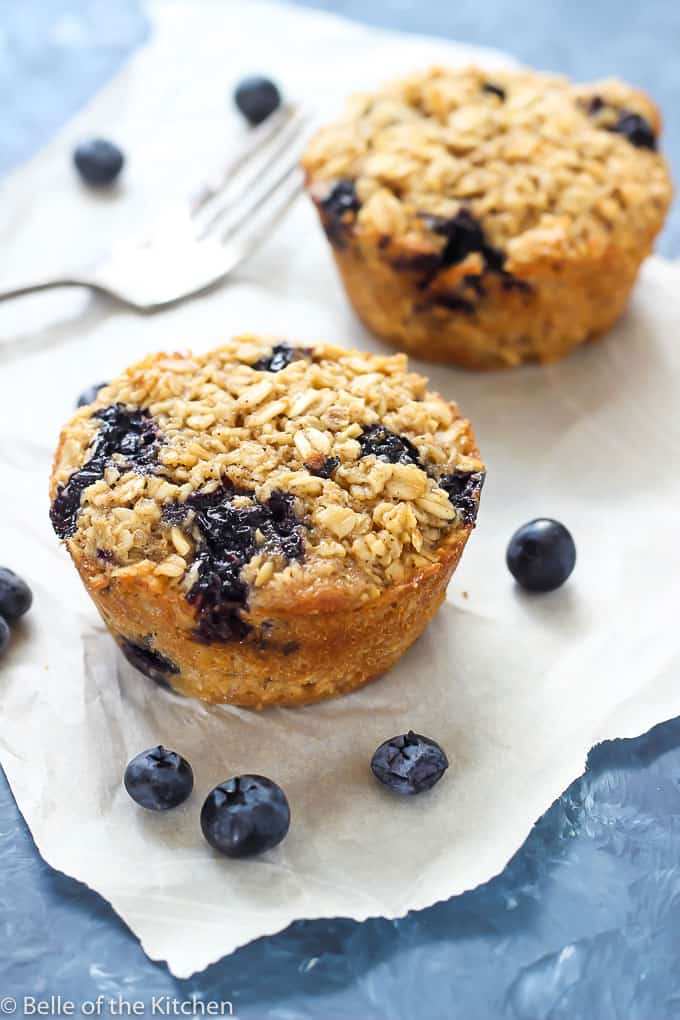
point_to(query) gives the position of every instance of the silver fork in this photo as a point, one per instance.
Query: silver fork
(194, 245)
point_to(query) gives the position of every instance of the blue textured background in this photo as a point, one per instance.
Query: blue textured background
(585, 920)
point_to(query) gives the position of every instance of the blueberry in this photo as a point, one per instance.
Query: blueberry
(132, 433)
(493, 89)
(281, 356)
(15, 595)
(4, 634)
(409, 763)
(89, 395)
(387, 445)
(541, 555)
(148, 661)
(463, 488)
(322, 467)
(341, 199)
(229, 539)
(257, 98)
(464, 236)
(636, 129)
(98, 161)
(595, 104)
(339, 209)
(159, 779)
(245, 815)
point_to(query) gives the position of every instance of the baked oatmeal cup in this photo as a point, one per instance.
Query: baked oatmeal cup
(266, 524)
(489, 219)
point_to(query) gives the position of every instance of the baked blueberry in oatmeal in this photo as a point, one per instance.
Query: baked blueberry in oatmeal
(228, 536)
(126, 439)
(152, 664)
(490, 220)
(265, 523)
(279, 357)
(379, 441)
(340, 206)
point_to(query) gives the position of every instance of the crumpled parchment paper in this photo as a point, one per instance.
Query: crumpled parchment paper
(516, 688)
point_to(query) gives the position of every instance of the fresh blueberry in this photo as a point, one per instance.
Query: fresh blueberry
(257, 98)
(245, 815)
(98, 161)
(541, 555)
(409, 763)
(159, 779)
(89, 395)
(4, 634)
(15, 595)
(636, 129)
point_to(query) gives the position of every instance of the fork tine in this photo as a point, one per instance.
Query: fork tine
(270, 212)
(258, 140)
(234, 217)
(271, 157)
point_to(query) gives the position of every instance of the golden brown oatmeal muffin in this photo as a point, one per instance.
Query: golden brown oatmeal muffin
(490, 219)
(266, 524)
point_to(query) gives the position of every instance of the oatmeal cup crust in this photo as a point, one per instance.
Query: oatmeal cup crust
(266, 524)
(490, 218)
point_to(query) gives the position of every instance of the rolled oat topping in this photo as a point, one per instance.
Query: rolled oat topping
(331, 471)
(534, 162)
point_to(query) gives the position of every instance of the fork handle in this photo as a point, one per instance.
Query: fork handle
(46, 284)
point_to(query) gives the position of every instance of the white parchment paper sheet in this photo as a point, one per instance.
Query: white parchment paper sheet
(517, 689)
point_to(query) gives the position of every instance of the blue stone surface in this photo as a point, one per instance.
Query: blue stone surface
(584, 922)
